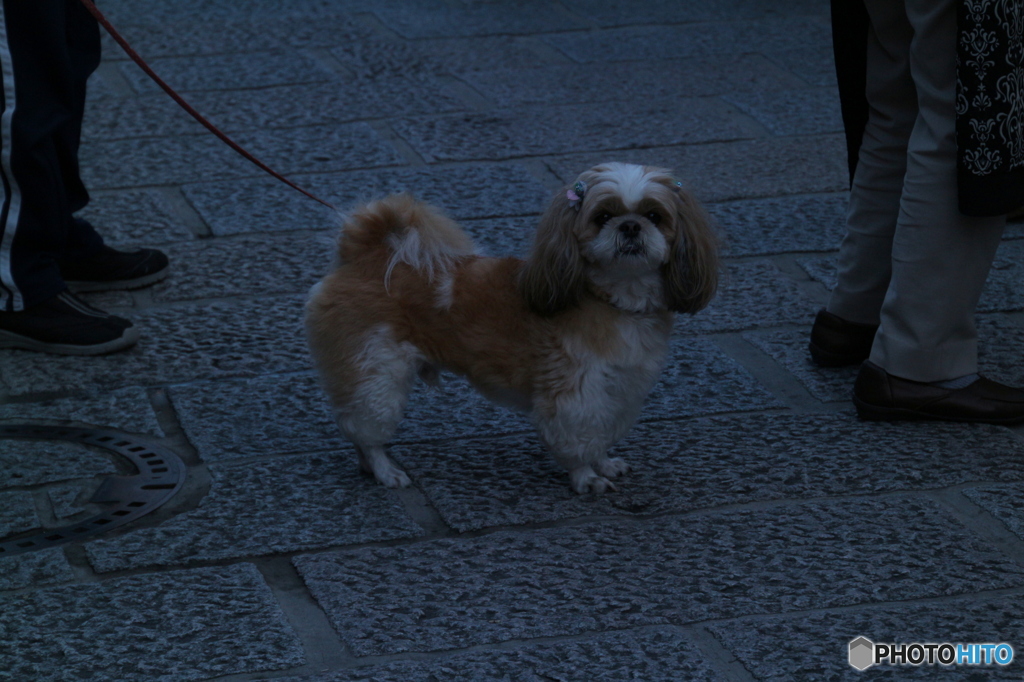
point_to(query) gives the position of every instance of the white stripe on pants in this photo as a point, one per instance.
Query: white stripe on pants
(12, 199)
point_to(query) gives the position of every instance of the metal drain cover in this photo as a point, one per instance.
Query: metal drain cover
(125, 498)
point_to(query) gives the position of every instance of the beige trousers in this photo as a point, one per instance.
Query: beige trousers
(910, 261)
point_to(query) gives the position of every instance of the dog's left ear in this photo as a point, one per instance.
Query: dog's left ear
(691, 273)
(552, 279)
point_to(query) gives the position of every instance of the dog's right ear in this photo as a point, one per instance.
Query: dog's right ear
(553, 277)
(691, 274)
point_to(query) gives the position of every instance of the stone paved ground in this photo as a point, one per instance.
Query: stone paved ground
(763, 528)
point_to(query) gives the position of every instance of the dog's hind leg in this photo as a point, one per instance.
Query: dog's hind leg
(382, 375)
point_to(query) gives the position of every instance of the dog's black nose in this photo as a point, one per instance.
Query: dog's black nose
(630, 228)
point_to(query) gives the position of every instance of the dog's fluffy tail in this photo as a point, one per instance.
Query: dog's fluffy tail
(409, 231)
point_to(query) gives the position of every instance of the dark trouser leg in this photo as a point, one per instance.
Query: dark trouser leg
(48, 48)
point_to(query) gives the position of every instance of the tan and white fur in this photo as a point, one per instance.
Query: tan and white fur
(575, 336)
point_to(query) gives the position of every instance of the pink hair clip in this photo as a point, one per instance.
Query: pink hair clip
(575, 195)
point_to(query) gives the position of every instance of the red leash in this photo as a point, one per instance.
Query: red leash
(188, 107)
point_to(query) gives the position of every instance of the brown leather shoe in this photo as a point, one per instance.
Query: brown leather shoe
(879, 396)
(838, 343)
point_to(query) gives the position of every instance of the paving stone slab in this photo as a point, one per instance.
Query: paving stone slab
(183, 625)
(755, 294)
(814, 64)
(437, 19)
(509, 133)
(1004, 288)
(822, 269)
(64, 499)
(699, 379)
(118, 302)
(182, 36)
(226, 12)
(195, 158)
(45, 567)
(807, 111)
(114, 164)
(680, 466)
(761, 227)
(334, 103)
(1014, 229)
(322, 149)
(233, 71)
(181, 343)
(649, 654)
(469, 191)
(136, 218)
(452, 410)
(624, 12)
(376, 57)
(568, 83)
(28, 462)
(118, 118)
(126, 409)
(500, 237)
(17, 513)
(258, 508)
(265, 415)
(743, 169)
(816, 646)
(247, 265)
(287, 106)
(100, 88)
(569, 580)
(999, 344)
(789, 349)
(1005, 502)
(265, 205)
(677, 41)
(998, 357)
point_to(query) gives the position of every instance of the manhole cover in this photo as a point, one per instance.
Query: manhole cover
(124, 498)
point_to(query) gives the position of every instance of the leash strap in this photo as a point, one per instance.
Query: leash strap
(89, 5)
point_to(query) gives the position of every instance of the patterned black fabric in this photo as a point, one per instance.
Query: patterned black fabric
(990, 97)
(990, 106)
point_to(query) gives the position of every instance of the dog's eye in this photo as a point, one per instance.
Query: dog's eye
(654, 217)
(602, 217)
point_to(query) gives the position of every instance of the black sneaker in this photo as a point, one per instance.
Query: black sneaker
(66, 325)
(111, 269)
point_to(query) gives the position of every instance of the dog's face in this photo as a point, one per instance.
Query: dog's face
(628, 228)
(626, 219)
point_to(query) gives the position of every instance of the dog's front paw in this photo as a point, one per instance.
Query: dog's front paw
(612, 468)
(383, 469)
(393, 477)
(585, 480)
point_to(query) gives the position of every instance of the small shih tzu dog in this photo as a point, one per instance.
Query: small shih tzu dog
(575, 336)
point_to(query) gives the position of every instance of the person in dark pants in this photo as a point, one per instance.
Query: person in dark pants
(48, 49)
(937, 161)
